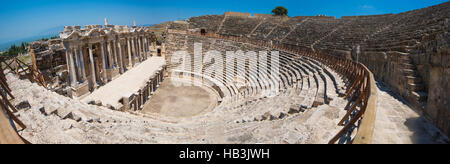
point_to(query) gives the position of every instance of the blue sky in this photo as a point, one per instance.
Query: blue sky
(26, 18)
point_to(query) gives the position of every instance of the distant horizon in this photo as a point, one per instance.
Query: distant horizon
(5, 45)
(39, 18)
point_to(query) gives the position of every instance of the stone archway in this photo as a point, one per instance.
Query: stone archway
(203, 31)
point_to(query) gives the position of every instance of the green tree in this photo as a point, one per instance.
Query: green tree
(22, 46)
(280, 11)
(15, 50)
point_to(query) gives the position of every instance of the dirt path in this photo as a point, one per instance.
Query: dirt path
(398, 123)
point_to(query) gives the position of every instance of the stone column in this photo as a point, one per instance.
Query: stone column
(133, 45)
(121, 64)
(109, 55)
(72, 69)
(142, 97)
(157, 79)
(141, 48)
(155, 50)
(149, 84)
(116, 64)
(148, 89)
(151, 87)
(91, 58)
(105, 78)
(135, 103)
(137, 48)
(83, 70)
(126, 103)
(150, 47)
(156, 83)
(129, 52)
(146, 47)
(139, 99)
(138, 54)
(68, 66)
(77, 63)
(163, 49)
(124, 53)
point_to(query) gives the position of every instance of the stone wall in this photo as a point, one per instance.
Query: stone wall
(263, 16)
(364, 16)
(437, 66)
(210, 23)
(50, 59)
(238, 14)
(433, 65)
(136, 101)
(385, 66)
(48, 54)
(316, 17)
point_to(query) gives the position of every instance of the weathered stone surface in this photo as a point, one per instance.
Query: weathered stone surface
(412, 60)
(23, 105)
(48, 110)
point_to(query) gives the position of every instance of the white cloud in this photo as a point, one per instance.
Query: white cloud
(367, 7)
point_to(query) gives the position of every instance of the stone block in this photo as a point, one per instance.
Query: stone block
(318, 101)
(64, 113)
(23, 105)
(50, 109)
(80, 90)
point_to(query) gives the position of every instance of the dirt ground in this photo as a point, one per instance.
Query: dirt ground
(179, 101)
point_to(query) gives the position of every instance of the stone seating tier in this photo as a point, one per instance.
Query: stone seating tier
(303, 83)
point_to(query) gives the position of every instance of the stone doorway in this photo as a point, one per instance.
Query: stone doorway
(203, 31)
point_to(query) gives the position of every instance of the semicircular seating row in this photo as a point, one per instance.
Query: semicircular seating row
(304, 82)
(389, 32)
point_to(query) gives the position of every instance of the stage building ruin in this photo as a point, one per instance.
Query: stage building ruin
(84, 59)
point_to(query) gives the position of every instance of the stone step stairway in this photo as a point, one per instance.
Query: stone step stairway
(413, 80)
(293, 29)
(323, 37)
(221, 24)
